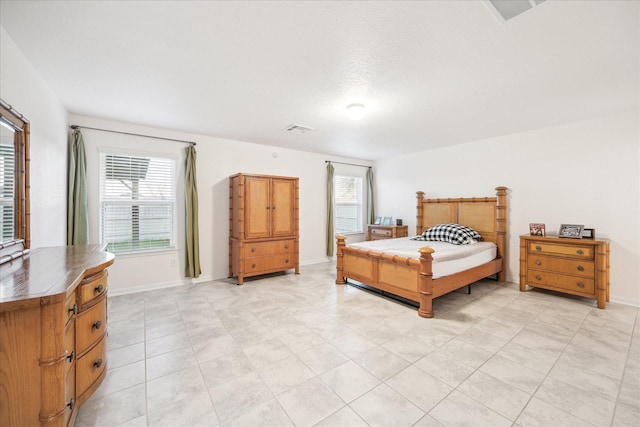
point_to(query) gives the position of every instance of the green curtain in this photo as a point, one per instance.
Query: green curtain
(77, 201)
(330, 210)
(192, 232)
(370, 213)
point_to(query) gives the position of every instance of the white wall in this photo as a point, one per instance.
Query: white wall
(23, 88)
(586, 172)
(217, 158)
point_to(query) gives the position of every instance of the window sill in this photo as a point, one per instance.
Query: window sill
(146, 252)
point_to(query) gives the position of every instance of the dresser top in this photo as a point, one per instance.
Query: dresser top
(48, 274)
(567, 240)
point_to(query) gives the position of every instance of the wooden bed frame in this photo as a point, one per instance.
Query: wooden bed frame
(413, 278)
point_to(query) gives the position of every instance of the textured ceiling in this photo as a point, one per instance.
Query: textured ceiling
(430, 73)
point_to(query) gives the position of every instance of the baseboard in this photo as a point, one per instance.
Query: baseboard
(160, 285)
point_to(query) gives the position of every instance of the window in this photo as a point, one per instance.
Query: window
(349, 206)
(137, 196)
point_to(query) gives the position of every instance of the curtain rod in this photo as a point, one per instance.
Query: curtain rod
(350, 164)
(133, 134)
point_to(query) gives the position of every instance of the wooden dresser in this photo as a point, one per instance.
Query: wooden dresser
(573, 266)
(378, 232)
(53, 323)
(263, 225)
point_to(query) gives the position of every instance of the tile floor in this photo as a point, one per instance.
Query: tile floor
(298, 350)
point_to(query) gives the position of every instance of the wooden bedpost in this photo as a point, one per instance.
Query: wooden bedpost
(419, 228)
(340, 261)
(425, 283)
(501, 229)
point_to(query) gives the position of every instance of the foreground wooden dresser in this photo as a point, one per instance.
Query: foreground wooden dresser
(53, 322)
(573, 266)
(263, 225)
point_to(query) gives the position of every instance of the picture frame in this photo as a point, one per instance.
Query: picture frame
(378, 220)
(588, 233)
(387, 220)
(537, 229)
(571, 231)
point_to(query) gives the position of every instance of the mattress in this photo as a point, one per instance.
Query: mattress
(447, 258)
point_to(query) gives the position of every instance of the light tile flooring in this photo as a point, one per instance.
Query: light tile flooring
(299, 350)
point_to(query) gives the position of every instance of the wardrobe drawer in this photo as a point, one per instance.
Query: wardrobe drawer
(268, 248)
(561, 265)
(574, 284)
(91, 325)
(275, 262)
(92, 287)
(574, 251)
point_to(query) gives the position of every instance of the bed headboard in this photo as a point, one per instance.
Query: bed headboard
(486, 215)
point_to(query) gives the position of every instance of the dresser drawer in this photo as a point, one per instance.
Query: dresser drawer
(383, 233)
(574, 284)
(275, 262)
(70, 345)
(71, 307)
(92, 287)
(90, 325)
(560, 265)
(69, 395)
(574, 251)
(90, 366)
(268, 248)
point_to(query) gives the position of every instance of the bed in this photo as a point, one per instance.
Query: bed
(390, 271)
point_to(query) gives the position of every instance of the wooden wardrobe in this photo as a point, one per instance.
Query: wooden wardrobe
(263, 225)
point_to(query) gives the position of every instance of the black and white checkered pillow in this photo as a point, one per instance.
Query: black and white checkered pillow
(450, 233)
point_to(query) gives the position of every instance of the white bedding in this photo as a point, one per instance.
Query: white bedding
(447, 258)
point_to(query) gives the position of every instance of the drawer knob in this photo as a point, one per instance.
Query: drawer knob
(538, 277)
(253, 249)
(286, 261)
(580, 251)
(71, 404)
(580, 268)
(286, 246)
(71, 356)
(97, 325)
(99, 288)
(538, 248)
(538, 262)
(97, 363)
(73, 309)
(580, 284)
(253, 266)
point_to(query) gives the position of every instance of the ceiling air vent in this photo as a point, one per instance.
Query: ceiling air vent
(507, 9)
(298, 129)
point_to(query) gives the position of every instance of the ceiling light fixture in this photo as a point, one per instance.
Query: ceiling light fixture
(355, 111)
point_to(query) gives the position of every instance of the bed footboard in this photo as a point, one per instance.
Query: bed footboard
(406, 277)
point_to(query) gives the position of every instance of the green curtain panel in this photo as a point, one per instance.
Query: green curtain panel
(77, 200)
(192, 231)
(330, 210)
(370, 213)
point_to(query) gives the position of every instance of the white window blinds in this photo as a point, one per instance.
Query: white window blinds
(137, 195)
(348, 202)
(7, 185)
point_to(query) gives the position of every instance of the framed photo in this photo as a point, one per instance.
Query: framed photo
(588, 233)
(537, 229)
(572, 231)
(387, 220)
(378, 220)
